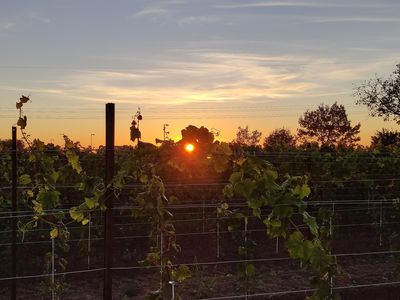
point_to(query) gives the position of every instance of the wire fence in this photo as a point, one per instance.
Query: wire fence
(197, 226)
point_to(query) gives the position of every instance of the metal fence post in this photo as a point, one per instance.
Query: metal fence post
(109, 174)
(14, 215)
(53, 269)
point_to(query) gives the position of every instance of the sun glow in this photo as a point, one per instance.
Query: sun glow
(189, 148)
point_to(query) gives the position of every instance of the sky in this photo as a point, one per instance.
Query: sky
(214, 63)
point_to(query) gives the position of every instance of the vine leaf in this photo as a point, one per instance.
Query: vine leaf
(76, 214)
(181, 273)
(295, 245)
(73, 160)
(24, 179)
(54, 233)
(22, 122)
(302, 191)
(91, 202)
(311, 222)
(48, 199)
(24, 99)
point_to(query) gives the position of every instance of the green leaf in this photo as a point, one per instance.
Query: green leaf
(295, 245)
(48, 199)
(245, 188)
(73, 160)
(319, 259)
(308, 248)
(24, 179)
(311, 222)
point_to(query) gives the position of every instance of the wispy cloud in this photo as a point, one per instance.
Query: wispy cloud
(199, 77)
(199, 19)
(24, 19)
(278, 4)
(306, 4)
(38, 17)
(209, 76)
(7, 26)
(151, 11)
(30, 89)
(351, 19)
(158, 9)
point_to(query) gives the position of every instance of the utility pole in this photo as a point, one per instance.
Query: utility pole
(91, 140)
(166, 133)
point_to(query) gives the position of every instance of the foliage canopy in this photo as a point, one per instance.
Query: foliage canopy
(381, 96)
(329, 126)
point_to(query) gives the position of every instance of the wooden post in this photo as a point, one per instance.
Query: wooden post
(14, 215)
(109, 174)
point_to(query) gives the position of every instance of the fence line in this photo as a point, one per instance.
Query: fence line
(211, 263)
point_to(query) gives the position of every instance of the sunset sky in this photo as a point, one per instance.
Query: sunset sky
(217, 63)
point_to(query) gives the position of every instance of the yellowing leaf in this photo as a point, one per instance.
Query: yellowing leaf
(302, 191)
(54, 233)
(76, 214)
(181, 273)
(91, 202)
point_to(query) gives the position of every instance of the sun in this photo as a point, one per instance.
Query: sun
(189, 148)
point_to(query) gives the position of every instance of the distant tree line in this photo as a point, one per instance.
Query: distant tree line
(328, 126)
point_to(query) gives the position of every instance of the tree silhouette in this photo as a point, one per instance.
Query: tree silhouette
(246, 138)
(329, 126)
(279, 139)
(386, 138)
(381, 96)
